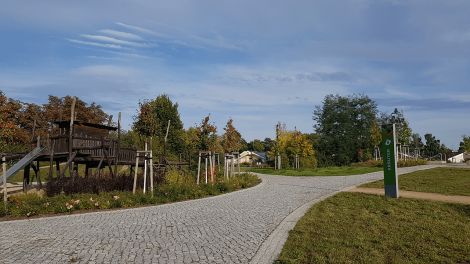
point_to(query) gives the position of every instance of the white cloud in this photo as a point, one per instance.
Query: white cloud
(118, 41)
(143, 30)
(121, 34)
(112, 46)
(217, 42)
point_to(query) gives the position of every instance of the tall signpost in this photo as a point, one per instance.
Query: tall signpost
(390, 160)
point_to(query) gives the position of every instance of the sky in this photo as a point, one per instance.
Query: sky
(257, 62)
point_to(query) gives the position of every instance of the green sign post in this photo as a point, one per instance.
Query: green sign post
(390, 160)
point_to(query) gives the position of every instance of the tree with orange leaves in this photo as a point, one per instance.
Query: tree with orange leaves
(231, 139)
(7, 127)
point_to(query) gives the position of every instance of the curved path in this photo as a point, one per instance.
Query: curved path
(248, 226)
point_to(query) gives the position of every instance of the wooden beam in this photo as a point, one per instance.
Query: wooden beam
(67, 165)
(72, 115)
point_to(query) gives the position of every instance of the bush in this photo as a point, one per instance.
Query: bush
(96, 185)
(175, 176)
(369, 163)
(411, 162)
(400, 164)
(308, 162)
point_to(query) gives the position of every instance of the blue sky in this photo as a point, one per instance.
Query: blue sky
(258, 62)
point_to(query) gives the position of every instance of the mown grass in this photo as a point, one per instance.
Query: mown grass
(32, 204)
(365, 228)
(328, 171)
(447, 181)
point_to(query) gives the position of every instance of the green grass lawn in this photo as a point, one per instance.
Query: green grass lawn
(365, 228)
(329, 171)
(444, 180)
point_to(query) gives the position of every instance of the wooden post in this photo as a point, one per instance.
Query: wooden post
(5, 191)
(117, 150)
(164, 151)
(151, 166)
(212, 169)
(136, 169)
(205, 164)
(198, 167)
(72, 115)
(145, 165)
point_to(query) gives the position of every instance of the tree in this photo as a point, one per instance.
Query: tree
(268, 143)
(290, 144)
(402, 127)
(344, 124)
(145, 123)
(7, 128)
(206, 138)
(465, 144)
(244, 145)
(60, 108)
(231, 139)
(164, 109)
(432, 145)
(257, 145)
(416, 143)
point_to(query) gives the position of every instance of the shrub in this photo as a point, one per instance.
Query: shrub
(308, 162)
(369, 163)
(411, 162)
(96, 185)
(175, 176)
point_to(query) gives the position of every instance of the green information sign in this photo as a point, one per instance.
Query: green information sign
(390, 160)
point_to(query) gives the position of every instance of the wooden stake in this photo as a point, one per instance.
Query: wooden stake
(151, 166)
(5, 191)
(72, 115)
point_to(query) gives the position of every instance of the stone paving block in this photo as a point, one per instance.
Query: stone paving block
(230, 228)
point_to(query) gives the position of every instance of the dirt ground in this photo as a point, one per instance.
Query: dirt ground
(418, 195)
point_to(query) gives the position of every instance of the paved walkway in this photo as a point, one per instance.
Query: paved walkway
(248, 226)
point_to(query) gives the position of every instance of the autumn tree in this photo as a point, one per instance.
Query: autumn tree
(290, 144)
(60, 108)
(206, 138)
(145, 123)
(231, 139)
(7, 128)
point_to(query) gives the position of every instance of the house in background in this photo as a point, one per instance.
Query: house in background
(251, 157)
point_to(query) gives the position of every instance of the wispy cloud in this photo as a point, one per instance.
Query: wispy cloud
(133, 55)
(112, 46)
(217, 42)
(118, 41)
(121, 34)
(143, 30)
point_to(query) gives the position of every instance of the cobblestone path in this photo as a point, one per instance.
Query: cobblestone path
(228, 228)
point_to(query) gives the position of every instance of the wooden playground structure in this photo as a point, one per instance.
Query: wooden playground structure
(85, 143)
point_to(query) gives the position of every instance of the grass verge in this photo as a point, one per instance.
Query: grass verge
(33, 204)
(365, 228)
(446, 181)
(328, 171)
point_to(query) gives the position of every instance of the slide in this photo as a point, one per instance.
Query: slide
(21, 164)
